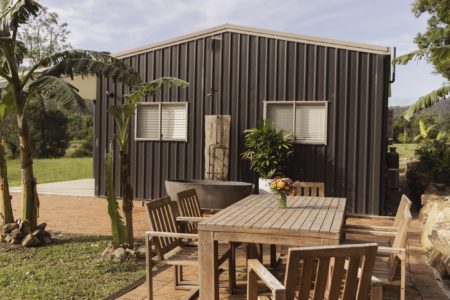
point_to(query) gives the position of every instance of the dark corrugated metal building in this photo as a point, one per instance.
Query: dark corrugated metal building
(244, 67)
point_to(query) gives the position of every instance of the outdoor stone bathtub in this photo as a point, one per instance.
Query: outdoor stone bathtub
(212, 194)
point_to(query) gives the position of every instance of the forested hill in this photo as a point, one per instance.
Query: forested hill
(440, 108)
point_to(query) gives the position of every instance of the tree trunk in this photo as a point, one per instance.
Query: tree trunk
(6, 213)
(30, 199)
(127, 196)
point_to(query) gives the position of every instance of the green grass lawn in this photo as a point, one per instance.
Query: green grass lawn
(71, 268)
(406, 150)
(52, 170)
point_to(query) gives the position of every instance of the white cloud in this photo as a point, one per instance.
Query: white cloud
(118, 25)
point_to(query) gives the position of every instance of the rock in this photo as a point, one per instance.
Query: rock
(8, 239)
(15, 234)
(130, 252)
(109, 251)
(24, 226)
(41, 226)
(10, 227)
(30, 241)
(120, 253)
(46, 240)
(140, 252)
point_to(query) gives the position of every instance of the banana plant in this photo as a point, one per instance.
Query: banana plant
(44, 78)
(6, 212)
(118, 229)
(122, 115)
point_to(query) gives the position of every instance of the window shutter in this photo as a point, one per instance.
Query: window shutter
(310, 123)
(147, 118)
(281, 116)
(173, 121)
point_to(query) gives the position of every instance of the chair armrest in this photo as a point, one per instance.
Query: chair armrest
(369, 232)
(371, 228)
(373, 217)
(386, 251)
(271, 282)
(179, 235)
(191, 219)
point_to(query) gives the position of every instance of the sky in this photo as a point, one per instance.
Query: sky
(113, 25)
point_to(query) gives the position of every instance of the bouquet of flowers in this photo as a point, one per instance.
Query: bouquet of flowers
(283, 187)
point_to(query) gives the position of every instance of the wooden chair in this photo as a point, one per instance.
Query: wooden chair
(315, 189)
(405, 203)
(189, 206)
(191, 214)
(329, 272)
(171, 248)
(386, 271)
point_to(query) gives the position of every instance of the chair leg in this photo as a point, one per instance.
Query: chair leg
(232, 268)
(376, 292)
(252, 278)
(149, 271)
(402, 277)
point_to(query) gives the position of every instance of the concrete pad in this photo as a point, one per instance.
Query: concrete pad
(81, 188)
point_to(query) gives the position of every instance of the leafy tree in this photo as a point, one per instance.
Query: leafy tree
(27, 84)
(434, 46)
(48, 130)
(43, 35)
(122, 115)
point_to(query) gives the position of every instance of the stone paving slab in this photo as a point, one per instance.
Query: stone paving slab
(81, 187)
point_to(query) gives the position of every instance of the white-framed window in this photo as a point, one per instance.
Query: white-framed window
(305, 120)
(161, 121)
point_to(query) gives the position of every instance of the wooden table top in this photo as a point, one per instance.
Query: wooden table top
(260, 213)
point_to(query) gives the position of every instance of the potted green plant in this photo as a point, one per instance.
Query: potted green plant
(268, 150)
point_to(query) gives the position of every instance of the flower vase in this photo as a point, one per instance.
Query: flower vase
(282, 202)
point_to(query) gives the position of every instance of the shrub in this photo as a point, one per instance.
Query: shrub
(267, 149)
(433, 152)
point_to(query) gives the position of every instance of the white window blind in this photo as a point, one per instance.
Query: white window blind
(173, 122)
(161, 121)
(281, 116)
(310, 122)
(147, 122)
(306, 120)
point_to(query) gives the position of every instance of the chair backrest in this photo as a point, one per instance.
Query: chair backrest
(189, 206)
(162, 214)
(330, 272)
(405, 203)
(400, 240)
(316, 189)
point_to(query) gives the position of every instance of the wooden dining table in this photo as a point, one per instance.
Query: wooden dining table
(306, 221)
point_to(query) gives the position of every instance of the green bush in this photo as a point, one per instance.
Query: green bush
(433, 152)
(267, 149)
(81, 127)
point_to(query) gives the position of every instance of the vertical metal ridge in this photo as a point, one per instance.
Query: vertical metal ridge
(245, 70)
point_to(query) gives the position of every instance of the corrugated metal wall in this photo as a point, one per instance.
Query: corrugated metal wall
(245, 70)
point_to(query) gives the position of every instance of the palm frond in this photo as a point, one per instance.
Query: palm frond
(14, 13)
(406, 58)
(57, 89)
(151, 87)
(87, 63)
(426, 101)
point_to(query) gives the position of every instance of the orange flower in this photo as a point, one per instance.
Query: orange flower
(280, 184)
